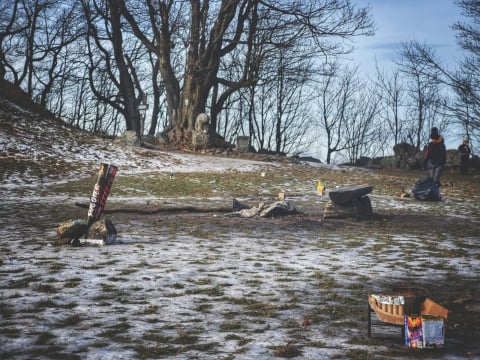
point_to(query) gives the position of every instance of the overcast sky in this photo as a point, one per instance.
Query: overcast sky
(398, 21)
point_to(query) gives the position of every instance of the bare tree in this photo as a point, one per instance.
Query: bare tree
(426, 106)
(12, 23)
(336, 104)
(216, 29)
(468, 35)
(158, 90)
(465, 82)
(38, 56)
(109, 59)
(362, 130)
(194, 56)
(276, 107)
(391, 92)
(60, 30)
(31, 53)
(22, 26)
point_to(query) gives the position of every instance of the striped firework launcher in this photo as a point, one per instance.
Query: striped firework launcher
(100, 193)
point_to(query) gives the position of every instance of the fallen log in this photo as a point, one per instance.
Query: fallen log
(160, 209)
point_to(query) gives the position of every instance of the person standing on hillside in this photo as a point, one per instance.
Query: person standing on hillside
(465, 152)
(436, 156)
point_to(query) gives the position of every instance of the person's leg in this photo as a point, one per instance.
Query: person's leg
(430, 170)
(437, 174)
(466, 166)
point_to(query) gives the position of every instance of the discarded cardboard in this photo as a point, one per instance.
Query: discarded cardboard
(320, 188)
(430, 307)
(394, 313)
(424, 331)
(422, 319)
(433, 329)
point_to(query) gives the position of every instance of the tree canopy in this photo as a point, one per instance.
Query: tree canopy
(196, 55)
(273, 70)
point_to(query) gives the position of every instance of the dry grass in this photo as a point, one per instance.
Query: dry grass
(215, 286)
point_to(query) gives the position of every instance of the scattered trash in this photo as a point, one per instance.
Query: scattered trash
(305, 322)
(404, 194)
(101, 232)
(5, 208)
(320, 188)
(99, 242)
(72, 230)
(424, 331)
(388, 299)
(426, 189)
(237, 206)
(94, 231)
(422, 319)
(278, 208)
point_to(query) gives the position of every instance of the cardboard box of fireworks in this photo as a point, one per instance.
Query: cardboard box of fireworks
(427, 329)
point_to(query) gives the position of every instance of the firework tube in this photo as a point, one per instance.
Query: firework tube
(97, 190)
(110, 175)
(100, 193)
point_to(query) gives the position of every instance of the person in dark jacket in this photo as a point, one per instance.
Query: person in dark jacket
(436, 155)
(465, 152)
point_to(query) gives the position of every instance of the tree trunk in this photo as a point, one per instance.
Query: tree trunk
(127, 90)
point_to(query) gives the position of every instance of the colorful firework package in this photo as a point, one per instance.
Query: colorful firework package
(424, 331)
(100, 193)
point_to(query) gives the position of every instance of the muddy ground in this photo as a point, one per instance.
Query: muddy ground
(212, 285)
(217, 286)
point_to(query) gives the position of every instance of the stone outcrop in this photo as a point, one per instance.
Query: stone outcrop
(347, 194)
(408, 157)
(73, 232)
(349, 201)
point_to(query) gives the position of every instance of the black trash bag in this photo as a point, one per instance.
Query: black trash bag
(426, 189)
